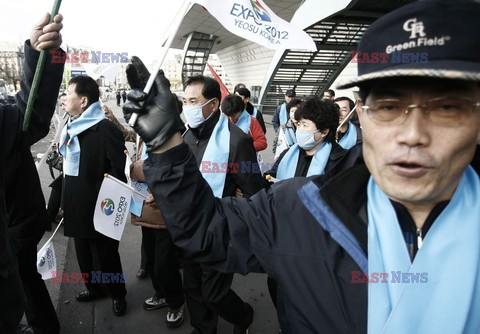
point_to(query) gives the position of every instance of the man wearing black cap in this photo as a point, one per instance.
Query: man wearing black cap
(389, 245)
(281, 116)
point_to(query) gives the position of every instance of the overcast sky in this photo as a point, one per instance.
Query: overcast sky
(105, 25)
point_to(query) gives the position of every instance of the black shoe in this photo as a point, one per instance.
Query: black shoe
(119, 306)
(142, 273)
(154, 303)
(87, 296)
(237, 329)
(175, 316)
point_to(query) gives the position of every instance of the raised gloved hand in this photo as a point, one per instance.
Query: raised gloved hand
(158, 118)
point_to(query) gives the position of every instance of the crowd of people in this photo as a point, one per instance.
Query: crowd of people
(338, 224)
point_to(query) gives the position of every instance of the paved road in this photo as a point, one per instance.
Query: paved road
(97, 317)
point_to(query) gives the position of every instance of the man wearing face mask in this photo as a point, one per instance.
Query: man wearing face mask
(214, 141)
(316, 151)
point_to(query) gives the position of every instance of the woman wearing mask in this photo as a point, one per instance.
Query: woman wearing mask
(315, 151)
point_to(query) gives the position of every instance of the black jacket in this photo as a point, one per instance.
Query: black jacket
(102, 151)
(241, 157)
(15, 149)
(259, 116)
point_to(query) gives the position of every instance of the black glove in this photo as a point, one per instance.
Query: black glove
(158, 118)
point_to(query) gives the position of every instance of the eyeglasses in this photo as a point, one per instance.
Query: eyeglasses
(443, 111)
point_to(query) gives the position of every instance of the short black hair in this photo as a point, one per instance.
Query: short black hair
(239, 85)
(232, 104)
(293, 103)
(324, 113)
(351, 104)
(86, 86)
(211, 88)
(244, 92)
(331, 91)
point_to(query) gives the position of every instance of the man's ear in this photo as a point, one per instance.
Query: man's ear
(359, 111)
(215, 105)
(84, 102)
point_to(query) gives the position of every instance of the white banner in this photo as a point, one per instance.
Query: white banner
(282, 143)
(112, 208)
(46, 260)
(253, 20)
(108, 71)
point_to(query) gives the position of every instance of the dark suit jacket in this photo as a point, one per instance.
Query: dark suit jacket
(101, 151)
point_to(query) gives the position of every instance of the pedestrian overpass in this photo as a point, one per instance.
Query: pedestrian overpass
(336, 26)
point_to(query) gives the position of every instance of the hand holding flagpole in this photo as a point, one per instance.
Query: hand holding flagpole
(38, 74)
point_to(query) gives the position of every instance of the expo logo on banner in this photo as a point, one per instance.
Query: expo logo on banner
(256, 20)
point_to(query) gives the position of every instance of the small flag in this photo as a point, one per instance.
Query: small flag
(111, 210)
(282, 143)
(128, 163)
(46, 260)
(253, 20)
(136, 205)
(223, 88)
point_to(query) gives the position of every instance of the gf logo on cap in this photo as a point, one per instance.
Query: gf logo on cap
(414, 27)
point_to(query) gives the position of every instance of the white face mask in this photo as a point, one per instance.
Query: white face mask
(306, 139)
(194, 114)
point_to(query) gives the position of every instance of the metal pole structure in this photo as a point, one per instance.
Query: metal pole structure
(183, 11)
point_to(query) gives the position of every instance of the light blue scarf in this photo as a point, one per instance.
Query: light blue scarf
(69, 144)
(449, 302)
(288, 165)
(216, 154)
(244, 121)
(283, 114)
(255, 112)
(350, 138)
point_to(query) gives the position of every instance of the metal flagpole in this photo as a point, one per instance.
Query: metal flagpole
(185, 7)
(346, 118)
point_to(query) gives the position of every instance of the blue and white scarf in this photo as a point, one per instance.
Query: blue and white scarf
(350, 138)
(244, 121)
(288, 165)
(283, 114)
(216, 156)
(449, 300)
(69, 144)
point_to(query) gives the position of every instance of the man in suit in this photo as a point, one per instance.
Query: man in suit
(91, 146)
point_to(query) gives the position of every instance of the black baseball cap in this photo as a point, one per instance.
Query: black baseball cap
(430, 38)
(290, 93)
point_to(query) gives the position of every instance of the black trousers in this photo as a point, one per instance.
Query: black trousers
(39, 309)
(101, 254)
(162, 265)
(11, 302)
(208, 296)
